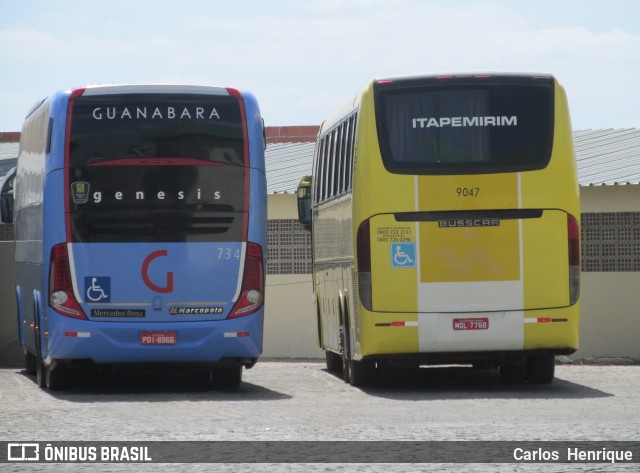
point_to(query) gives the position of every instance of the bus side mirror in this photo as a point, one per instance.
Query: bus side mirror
(304, 202)
(6, 197)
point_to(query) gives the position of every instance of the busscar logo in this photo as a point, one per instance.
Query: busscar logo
(469, 222)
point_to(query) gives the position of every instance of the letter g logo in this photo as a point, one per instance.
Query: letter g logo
(168, 287)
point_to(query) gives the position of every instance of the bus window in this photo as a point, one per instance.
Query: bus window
(470, 127)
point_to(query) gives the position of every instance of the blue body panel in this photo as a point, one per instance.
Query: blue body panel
(119, 342)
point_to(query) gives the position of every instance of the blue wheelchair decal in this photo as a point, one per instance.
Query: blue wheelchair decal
(97, 289)
(403, 255)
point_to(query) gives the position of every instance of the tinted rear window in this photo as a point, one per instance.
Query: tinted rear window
(464, 126)
(156, 167)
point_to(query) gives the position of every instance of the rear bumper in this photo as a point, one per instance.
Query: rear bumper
(434, 334)
(120, 342)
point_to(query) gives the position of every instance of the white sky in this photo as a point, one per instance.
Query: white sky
(304, 59)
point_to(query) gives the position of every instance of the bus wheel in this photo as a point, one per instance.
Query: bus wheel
(346, 357)
(40, 367)
(541, 369)
(56, 377)
(199, 378)
(333, 360)
(392, 375)
(513, 373)
(40, 373)
(362, 373)
(30, 362)
(227, 378)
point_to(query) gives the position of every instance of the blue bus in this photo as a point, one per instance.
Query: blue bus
(140, 228)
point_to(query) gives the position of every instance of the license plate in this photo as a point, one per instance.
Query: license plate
(158, 338)
(471, 324)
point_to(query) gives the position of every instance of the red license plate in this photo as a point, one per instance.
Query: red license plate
(158, 338)
(471, 324)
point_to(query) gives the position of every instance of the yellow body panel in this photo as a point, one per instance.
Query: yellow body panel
(469, 254)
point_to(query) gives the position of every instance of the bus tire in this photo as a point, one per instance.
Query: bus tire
(227, 378)
(362, 373)
(346, 357)
(333, 361)
(392, 375)
(40, 367)
(199, 378)
(56, 377)
(541, 369)
(40, 373)
(513, 373)
(30, 362)
(356, 373)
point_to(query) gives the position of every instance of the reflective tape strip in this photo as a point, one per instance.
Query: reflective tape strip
(78, 334)
(409, 323)
(235, 334)
(540, 320)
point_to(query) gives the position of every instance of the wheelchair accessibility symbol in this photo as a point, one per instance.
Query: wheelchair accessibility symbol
(97, 289)
(403, 255)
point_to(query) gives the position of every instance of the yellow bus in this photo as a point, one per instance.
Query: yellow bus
(445, 227)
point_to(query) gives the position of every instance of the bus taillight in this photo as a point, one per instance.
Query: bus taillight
(61, 297)
(574, 259)
(252, 292)
(363, 249)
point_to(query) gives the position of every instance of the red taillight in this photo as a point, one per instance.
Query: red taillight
(363, 248)
(252, 291)
(573, 232)
(61, 297)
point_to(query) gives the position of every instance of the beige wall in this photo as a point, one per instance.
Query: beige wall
(290, 327)
(10, 352)
(618, 198)
(610, 316)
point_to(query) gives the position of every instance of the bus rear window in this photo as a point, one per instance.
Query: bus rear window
(465, 126)
(156, 167)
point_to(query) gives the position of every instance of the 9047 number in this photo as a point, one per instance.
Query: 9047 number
(468, 191)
